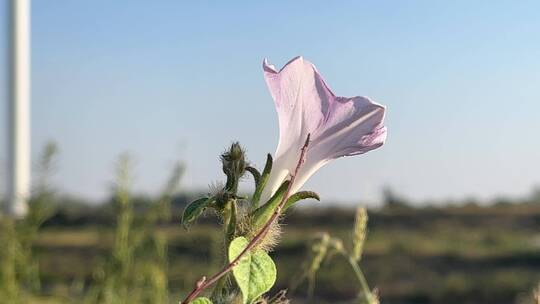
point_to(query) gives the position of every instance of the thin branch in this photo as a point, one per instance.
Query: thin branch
(360, 276)
(203, 283)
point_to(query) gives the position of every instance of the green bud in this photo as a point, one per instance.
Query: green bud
(234, 165)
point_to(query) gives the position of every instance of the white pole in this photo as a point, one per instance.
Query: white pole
(19, 110)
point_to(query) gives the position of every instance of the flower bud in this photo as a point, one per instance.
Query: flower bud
(234, 165)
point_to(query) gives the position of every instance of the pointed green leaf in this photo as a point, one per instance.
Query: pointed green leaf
(262, 181)
(194, 209)
(201, 300)
(298, 196)
(255, 272)
(263, 213)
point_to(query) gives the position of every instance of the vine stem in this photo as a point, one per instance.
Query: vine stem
(203, 283)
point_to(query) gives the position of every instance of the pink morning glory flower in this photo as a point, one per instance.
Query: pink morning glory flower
(338, 126)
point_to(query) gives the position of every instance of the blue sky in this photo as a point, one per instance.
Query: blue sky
(169, 80)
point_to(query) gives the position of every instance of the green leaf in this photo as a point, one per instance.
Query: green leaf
(201, 300)
(263, 213)
(300, 196)
(255, 272)
(195, 209)
(262, 181)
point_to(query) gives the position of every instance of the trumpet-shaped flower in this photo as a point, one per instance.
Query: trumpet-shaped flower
(338, 126)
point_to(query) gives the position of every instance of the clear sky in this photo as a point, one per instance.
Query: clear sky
(169, 80)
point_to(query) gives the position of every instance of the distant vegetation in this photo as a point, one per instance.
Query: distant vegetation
(452, 254)
(132, 249)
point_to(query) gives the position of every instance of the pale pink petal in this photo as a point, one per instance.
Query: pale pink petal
(305, 105)
(297, 99)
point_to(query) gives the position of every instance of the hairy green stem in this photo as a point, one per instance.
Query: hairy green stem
(229, 214)
(229, 223)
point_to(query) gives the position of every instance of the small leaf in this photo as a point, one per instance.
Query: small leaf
(255, 272)
(298, 196)
(194, 209)
(262, 181)
(256, 174)
(201, 300)
(263, 213)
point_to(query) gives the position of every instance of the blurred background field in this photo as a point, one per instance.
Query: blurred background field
(456, 254)
(168, 80)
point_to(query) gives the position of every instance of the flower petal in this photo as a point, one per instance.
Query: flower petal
(305, 105)
(353, 126)
(299, 104)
